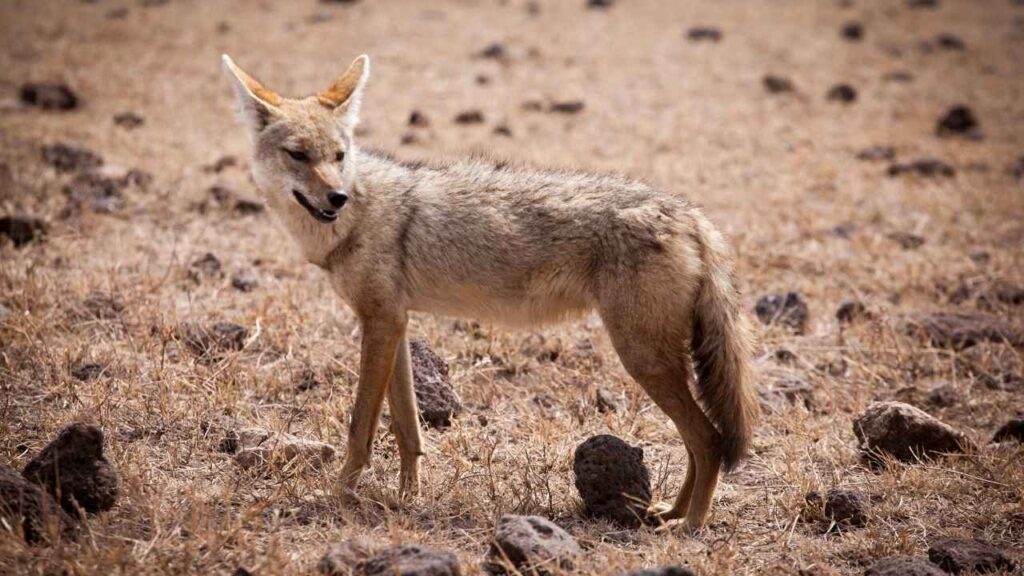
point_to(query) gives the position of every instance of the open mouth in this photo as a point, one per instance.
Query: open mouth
(325, 216)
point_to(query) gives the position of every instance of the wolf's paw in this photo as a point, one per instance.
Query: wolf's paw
(676, 526)
(409, 481)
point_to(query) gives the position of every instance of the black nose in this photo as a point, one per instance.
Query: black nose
(337, 199)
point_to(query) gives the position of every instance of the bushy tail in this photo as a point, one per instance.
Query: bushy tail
(722, 349)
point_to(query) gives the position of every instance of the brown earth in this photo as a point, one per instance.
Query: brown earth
(112, 283)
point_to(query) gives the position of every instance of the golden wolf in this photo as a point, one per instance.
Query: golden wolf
(508, 244)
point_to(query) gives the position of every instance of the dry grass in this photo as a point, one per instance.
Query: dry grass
(777, 172)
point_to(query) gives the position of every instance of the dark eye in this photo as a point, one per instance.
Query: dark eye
(339, 156)
(297, 155)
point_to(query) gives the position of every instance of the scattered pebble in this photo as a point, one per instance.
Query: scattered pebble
(781, 395)
(906, 240)
(411, 560)
(495, 51)
(877, 154)
(788, 310)
(607, 401)
(901, 76)
(600, 4)
(925, 167)
(70, 158)
(49, 96)
(958, 121)
(221, 164)
(206, 266)
(905, 433)
(214, 339)
(409, 137)
(503, 130)
(418, 119)
(249, 207)
(851, 311)
(704, 33)
(612, 480)
(531, 543)
(960, 555)
(75, 471)
(843, 93)
(903, 566)
(244, 281)
(27, 508)
(1012, 431)
(923, 3)
(777, 84)
(960, 330)
(469, 117)
(22, 229)
(949, 42)
(852, 31)
(943, 396)
(343, 558)
(99, 305)
(259, 448)
(665, 571)
(567, 107)
(88, 371)
(846, 508)
(128, 120)
(436, 399)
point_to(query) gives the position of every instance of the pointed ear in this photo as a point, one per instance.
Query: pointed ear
(345, 94)
(257, 104)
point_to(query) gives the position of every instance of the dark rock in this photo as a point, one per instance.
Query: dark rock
(1011, 431)
(665, 571)
(531, 543)
(469, 117)
(1017, 170)
(244, 281)
(128, 120)
(249, 206)
(215, 339)
(343, 558)
(906, 240)
(437, 401)
(903, 566)
(847, 508)
(567, 107)
(339, 1)
(88, 371)
(612, 480)
(606, 401)
(927, 167)
(779, 396)
(852, 31)
(75, 471)
(256, 448)
(495, 51)
(901, 76)
(412, 560)
(949, 42)
(409, 137)
(943, 396)
(307, 380)
(960, 330)
(102, 189)
(221, 164)
(206, 266)
(785, 356)
(957, 121)
(777, 84)
(905, 433)
(503, 130)
(958, 556)
(220, 194)
(843, 93)
(49, 96)
(22, 229)
(788, 310)
(851, 311)
(101, 306)
(704, 33)
(600, 4)
(28, 509)
(69, 158)
(418, 119)
(877, 153)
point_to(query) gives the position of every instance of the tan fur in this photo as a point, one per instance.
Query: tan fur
(510, 244)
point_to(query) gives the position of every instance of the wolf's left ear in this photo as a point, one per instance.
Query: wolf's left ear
(345, 94)
(257, 104)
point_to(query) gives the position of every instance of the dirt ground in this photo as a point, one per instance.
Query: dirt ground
(779, 172)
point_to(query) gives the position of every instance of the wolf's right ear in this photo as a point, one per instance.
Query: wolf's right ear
(257, 104)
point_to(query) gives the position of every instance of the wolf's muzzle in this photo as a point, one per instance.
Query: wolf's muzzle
(325, 216)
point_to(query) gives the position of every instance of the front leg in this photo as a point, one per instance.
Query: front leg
(381, 338)
(405, 421)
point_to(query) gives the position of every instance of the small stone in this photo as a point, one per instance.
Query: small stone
(903, 566)
(215, 339)
(949, 41)
(943, 396)
(469, 117)
(851, 311)
(901, 76)
(606, 401)
(495, 51)
(503, 130)
(249, 206)
(1012, 431)
(957, 121)
(531, 543)
(923, 3)
(75, 471)
(567, 107)
(28, 509)
(343, 558)
(307, 380)
(877, 154)
(612, 480)
(101, 306)
(600, 4)
(102, 188)
(665, 571)
(70, 158)
(128, 120)
(847, 508)
(843, 93)
(779, 396)
(906, 240)
(777, 84)
(409, 137)
(959, 556)
(788, 310)
(221, 164)
(411, 560)
(244, 281)
(960, 330)
(262, 449)
(206, 266)
(704, 33)
(905, 433)
(927, 167)
(88, 371)
(436, 399)
(852, 31)
(1017, 170)
(22, 229)
(418, 119)
(49, 96)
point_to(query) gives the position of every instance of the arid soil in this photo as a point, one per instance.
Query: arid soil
(165, 306)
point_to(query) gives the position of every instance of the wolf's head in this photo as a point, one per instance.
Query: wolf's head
(303, 149)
